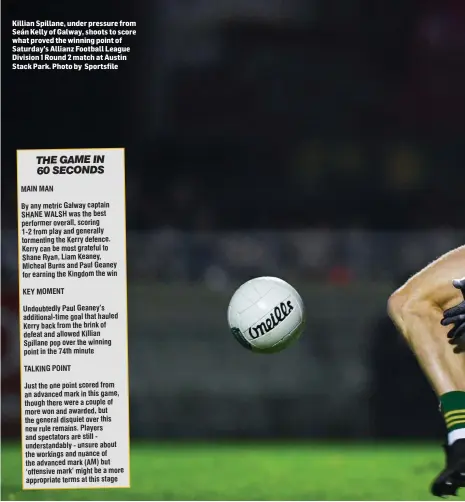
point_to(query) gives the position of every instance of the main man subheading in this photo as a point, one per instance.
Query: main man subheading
(424, 309)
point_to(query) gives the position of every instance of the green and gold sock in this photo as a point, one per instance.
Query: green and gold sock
(453, 411)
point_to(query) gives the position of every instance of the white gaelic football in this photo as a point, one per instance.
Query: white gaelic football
(266, 314)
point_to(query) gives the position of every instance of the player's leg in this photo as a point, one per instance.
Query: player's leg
(417, 309)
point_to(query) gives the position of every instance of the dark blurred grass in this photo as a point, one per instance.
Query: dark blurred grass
(249, 471)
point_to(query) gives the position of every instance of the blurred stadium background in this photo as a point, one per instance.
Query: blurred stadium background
(321, 141)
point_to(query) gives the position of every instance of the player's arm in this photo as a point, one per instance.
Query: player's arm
(417, 309)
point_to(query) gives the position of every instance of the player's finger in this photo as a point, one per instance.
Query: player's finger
(460, 332)
(453, 311)
(459, 283)
(446, 321)
(457, 336)
(456, 309)
(457, 333)
(453, 332)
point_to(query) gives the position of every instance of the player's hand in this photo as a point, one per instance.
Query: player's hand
(456, 316)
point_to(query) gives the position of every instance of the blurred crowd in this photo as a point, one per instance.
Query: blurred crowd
(320, 184)
(353, 118)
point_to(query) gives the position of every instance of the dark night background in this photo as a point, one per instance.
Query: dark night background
(352, 116)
